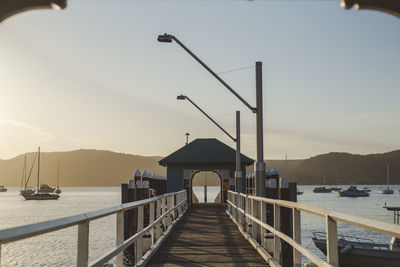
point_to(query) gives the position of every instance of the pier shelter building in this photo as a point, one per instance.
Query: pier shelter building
(208, 154)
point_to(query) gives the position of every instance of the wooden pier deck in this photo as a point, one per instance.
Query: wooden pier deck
(206, 236)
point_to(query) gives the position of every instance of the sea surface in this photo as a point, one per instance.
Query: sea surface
(59, 248)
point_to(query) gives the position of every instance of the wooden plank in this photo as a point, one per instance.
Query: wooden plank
(206, 236)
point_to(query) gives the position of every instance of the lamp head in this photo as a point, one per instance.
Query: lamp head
(181, 97)
(166, 38)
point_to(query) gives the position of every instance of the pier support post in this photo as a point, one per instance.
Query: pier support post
(83, 244)
(331, 241)
(287, 251)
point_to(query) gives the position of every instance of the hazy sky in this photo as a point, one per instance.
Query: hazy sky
(94, 76)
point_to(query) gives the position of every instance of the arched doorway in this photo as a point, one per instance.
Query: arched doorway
(206, 187)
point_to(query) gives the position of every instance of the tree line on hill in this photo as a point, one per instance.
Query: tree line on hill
(87, 167)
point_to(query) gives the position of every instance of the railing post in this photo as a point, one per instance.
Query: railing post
(331, 241)
(120, 238)
(170, 206)
(139, 241)
(83, 244)
(255, 211)
(263, 218)
(0, 255)
(151, 220)
(296, 236)
(158, 215)
(277, 240)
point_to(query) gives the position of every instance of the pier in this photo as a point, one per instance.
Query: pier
(159, 223)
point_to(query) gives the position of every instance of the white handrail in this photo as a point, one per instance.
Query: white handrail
(82, 221)
(239, 212)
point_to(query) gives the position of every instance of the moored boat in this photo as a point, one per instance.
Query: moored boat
(352, 191)
(386, 190)
(2, 188)
(361, 252)
(40, 195)
(299, 192)
(322, 189)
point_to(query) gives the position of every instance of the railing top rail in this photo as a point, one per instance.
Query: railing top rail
(30, 230)
(366, 223)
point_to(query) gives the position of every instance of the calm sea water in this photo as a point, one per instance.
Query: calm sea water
(59, 248)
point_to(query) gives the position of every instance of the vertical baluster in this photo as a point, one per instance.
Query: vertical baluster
(83, 244)
(296, 236)
(332, 242)
(255, 211)
(163, 205)
(158, 215)
(120, 237)
(263, 218)
(277, 240)
(139, 241)
(151, 220)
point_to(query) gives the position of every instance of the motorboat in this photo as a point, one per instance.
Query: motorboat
(361, 252)
(352, 191)
(2, 188)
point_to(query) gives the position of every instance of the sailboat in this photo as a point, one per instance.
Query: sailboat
(322, 189)
(58, 190)
(38, 195)
(24, 180)
(386, 190)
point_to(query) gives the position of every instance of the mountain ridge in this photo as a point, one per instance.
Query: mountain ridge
(93, 167)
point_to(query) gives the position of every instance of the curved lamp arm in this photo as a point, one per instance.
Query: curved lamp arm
(12, 7)
(388, 6)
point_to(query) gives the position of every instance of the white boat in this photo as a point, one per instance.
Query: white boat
(352, 191)
(361, 252)
(386, 190)
(38, 195)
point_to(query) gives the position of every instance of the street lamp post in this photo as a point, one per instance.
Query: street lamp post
(238, 172)
(12, 7)
(259, 166)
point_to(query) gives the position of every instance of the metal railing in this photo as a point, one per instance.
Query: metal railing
(247, 210)
(165, 210)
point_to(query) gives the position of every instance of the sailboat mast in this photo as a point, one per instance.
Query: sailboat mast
(38, 170)
(58, 173)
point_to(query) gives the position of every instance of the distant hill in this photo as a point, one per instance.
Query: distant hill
(79, 168)
(342, 168)
(87, 167)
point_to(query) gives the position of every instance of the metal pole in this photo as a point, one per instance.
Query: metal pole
(222, 129)
(213, 73)
(238, 172)
(259, 166)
